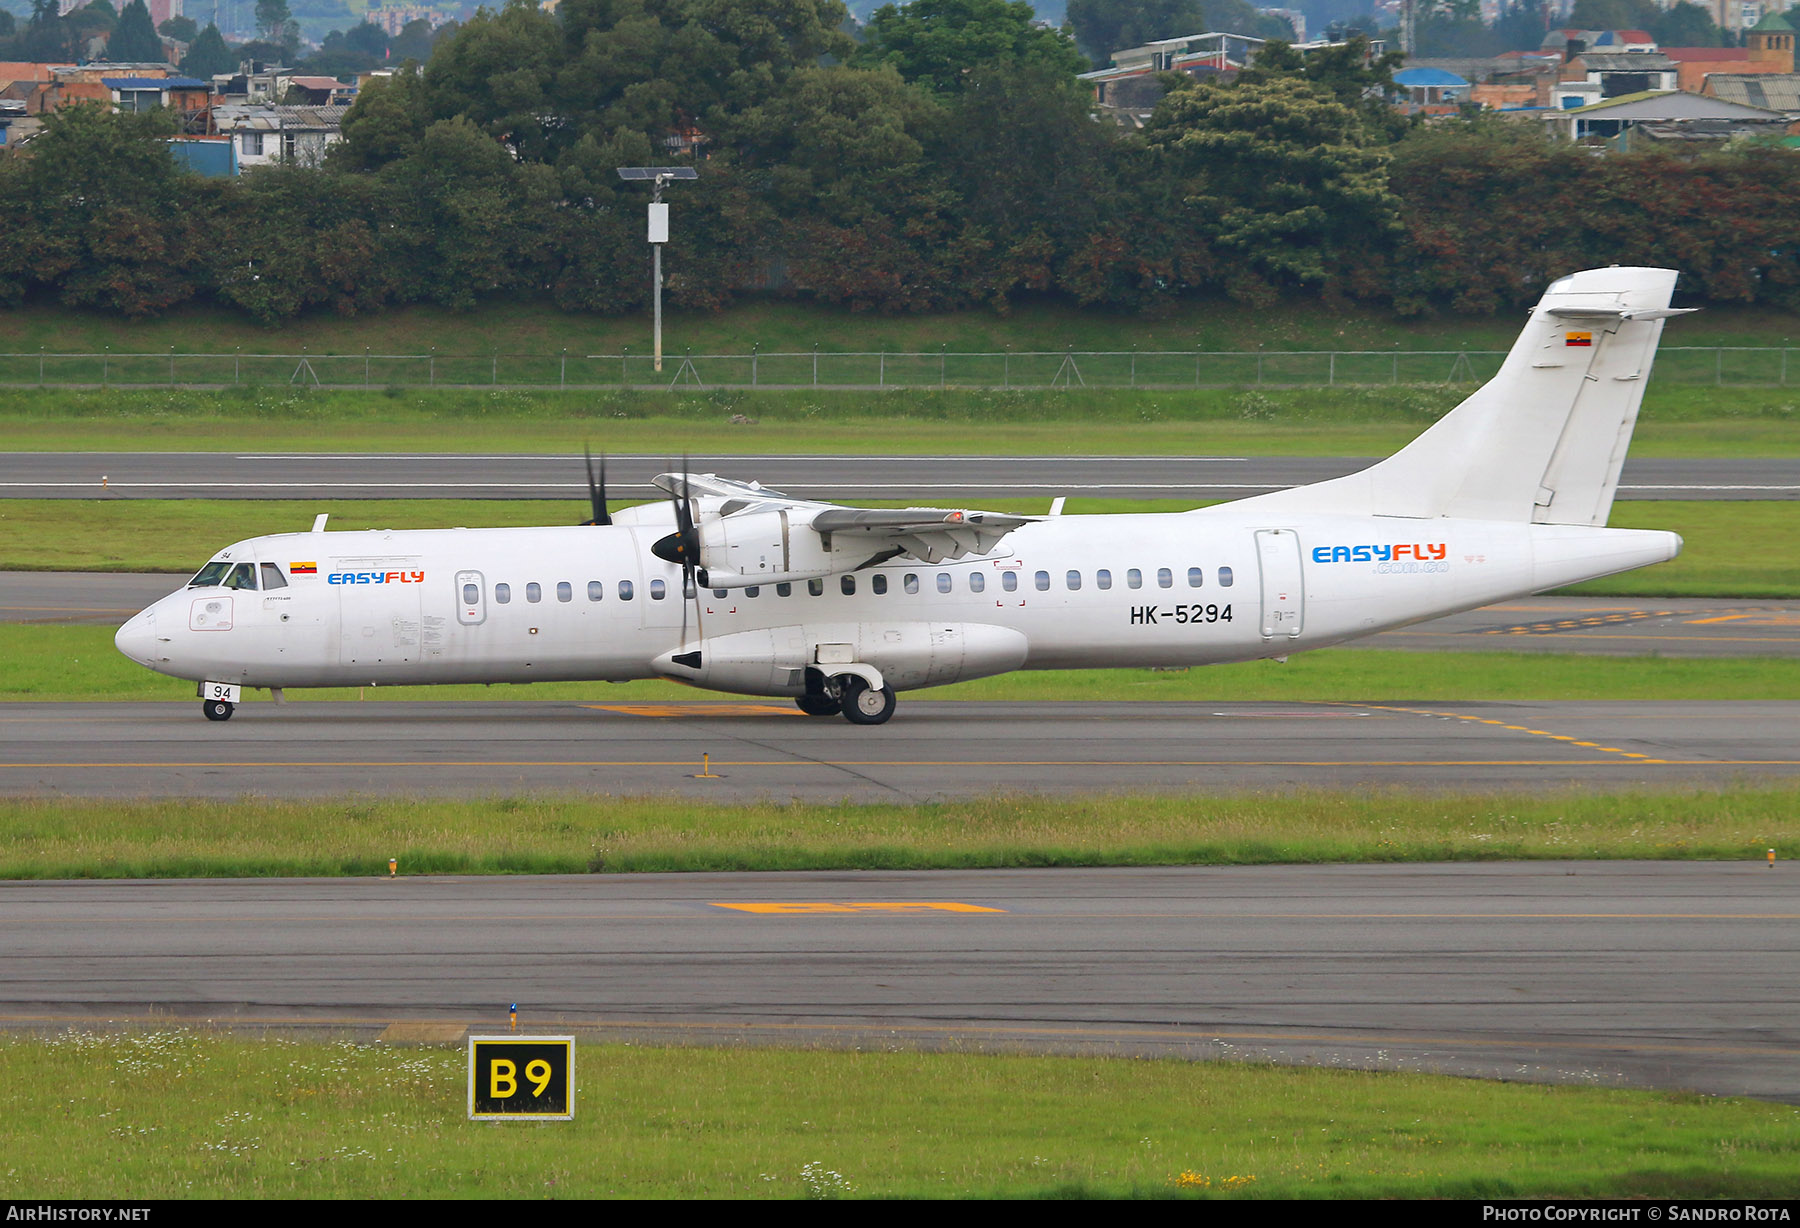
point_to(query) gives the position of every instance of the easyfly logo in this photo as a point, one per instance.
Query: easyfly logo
(1379, 554)
(375, 577)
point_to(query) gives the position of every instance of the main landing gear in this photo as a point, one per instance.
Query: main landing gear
(218, 709)
(852, 697)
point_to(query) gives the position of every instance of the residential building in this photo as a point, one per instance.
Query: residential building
(267, 134)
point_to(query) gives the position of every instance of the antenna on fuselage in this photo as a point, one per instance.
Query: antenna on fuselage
(319, 522)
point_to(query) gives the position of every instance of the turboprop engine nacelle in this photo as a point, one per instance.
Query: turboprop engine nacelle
(908, 654)
(765, 548)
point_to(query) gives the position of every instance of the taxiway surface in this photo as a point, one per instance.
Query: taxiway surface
(268, 475)
(1665, 974)
(931, 750)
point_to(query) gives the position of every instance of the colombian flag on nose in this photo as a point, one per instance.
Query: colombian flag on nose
(1578, 338)
(303, 569)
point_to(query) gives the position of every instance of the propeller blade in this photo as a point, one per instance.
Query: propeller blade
(596, 489)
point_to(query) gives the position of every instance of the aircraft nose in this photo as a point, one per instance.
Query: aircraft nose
(137, 638)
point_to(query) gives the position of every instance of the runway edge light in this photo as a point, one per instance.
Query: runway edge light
(1771, 859)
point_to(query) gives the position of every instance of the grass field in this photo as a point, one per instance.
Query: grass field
(52, 838)
(1677, 420)
(774, 324)
(1747, 549)
(178, 1113)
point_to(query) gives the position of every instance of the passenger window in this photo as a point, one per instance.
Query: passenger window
(272, 577)
(596, 590)
(534, 592)
(816, 587)
(565, 591)
(1165, 578)
(626, 590)
(1042, 580)
(1103, 578)
(471, 595)
(848, 585)
(977, 581)
(658, 590)
(753, 590)
(242, 576)
(502, 593)
(1009, 580)
(943, 582)
(719, 593)
(1196, 577)
(1074, 580)
(784, 589)
(1134, 578)
(879, 584)
(1224, 577)
(911, 583)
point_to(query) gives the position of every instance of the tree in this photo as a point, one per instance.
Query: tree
(8, 27)
(181, 29)
(1283, 180)
(1686, 25)
(47, 36)
(939, 42)
(101, 216)
(384, 124)
(208, 55)
(1353, 74)
(135, 40)
(272, 17)
(1105, 26)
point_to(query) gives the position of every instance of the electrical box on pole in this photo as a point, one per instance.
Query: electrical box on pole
(658, 230)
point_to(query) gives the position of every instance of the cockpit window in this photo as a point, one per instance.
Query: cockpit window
(272, 577)
(242, 576)
(209, 575)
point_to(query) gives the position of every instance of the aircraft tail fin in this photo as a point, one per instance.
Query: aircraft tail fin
(1544, 440)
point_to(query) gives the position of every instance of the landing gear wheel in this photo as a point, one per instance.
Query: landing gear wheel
(218, 710)
(863, 705)
(818, 705)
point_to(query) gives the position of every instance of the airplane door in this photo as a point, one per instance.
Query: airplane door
(1283, 594)
(379, 623)
(471, 598)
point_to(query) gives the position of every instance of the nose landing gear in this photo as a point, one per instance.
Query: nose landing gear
(218, 709)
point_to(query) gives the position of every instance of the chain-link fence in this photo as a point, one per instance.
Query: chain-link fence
(1148, 369)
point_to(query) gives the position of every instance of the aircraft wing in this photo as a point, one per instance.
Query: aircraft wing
(750, 534)
(926, 533)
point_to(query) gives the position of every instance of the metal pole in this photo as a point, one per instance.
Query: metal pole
(1331, 371)
(41, 367)
(882, 377)
(237, 356)
(365, 366)
(562, 378)
(753, 350)
(815, 364)
(941, 346)
(656, 283)
(1718, 366)
(494, 371)
(105, 365)
(1006, 371)
(431, 367)
(171, 366)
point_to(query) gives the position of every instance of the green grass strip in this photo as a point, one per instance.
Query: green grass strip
(180, 1113)
(1733, 549)
(54, 838)
(80, 663)
(1677, 420)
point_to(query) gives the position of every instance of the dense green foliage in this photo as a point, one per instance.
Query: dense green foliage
(950, 161)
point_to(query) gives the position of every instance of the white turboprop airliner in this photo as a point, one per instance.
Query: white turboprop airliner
(736, 588)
